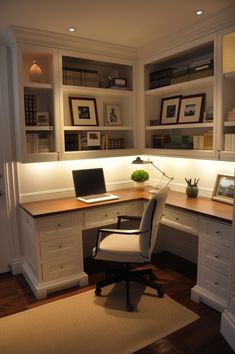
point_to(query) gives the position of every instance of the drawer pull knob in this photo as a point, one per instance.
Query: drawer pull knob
(177, 219)
(59, 225)
(216, 256)
(106, 215)
(216, 283)
(61, 267)
(60, 246)
(217, 232)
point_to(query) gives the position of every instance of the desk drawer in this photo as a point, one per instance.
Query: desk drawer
(58, 225)
(216, 231)
(62, 268)
(217, 256)
(104, 216)
(64, 246)
(180, 220)
(214, 282)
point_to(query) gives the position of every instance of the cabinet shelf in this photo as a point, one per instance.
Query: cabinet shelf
(230, 75)
(97, 128)
(96, 91)
(37, 86)
(180, 126)
(39, 128)
(182, 87)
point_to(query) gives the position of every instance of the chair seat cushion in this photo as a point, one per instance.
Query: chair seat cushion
(120, 248)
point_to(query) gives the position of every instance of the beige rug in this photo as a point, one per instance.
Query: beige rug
(85, 323)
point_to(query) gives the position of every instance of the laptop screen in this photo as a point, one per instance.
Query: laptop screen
(89, 181)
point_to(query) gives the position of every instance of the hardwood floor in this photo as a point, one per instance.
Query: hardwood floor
(177, 277)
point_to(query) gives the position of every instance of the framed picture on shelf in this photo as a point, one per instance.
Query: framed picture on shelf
(112, 114)
(224, 188)
(170, 107)
(83, 111)
(192, 109)
(93, 138)
(42, 118)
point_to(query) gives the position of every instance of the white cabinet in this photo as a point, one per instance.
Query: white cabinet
(173, 84)
(53, 257)
(184, 221)
(214, 260)
(47, 78)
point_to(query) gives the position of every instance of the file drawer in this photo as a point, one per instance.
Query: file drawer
(58, 225)
(214, 282)
(59, 247)
(106, 215)
(216, 231)
(180, 220)
(217, 256)
(60, 268)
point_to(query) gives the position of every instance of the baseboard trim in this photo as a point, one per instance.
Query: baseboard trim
(227, 328)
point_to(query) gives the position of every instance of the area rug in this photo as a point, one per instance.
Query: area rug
(85, 323)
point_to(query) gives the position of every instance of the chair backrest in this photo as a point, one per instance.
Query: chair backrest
(150, 221)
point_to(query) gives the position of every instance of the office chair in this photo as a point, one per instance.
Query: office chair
(130, 247)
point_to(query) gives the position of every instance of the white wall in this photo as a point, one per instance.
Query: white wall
(54, 179)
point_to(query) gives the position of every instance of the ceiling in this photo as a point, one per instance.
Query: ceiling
(134, 23)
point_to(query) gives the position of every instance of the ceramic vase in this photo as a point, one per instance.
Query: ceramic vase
(192, 191)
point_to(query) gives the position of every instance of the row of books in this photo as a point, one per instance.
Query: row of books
(80, 77)
(79, 142)
(196, 142)
(196, 70)
(229, 142)
(30, 107)
(231, 115)
(39, 142)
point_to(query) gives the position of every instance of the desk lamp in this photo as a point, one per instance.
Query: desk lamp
(139, 161)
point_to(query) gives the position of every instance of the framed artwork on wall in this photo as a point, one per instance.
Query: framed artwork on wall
(83, 111)
(112, 114)
(192, 109)
(170, 110)
(224, 188)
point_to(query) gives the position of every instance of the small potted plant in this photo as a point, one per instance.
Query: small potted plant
(192, 188)
(139, 177)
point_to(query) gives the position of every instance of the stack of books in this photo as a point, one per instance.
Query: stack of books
(231, 115)
(30, 108)
(229, 142)
(203, 142)
(160, 78)
(38, 142)
(71, 142)
(80, 77)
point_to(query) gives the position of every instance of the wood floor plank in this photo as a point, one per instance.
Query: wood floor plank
(176, 275)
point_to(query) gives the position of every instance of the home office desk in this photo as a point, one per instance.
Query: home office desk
(52, 239)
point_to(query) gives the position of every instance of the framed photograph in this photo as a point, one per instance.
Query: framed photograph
(224, 189)
(83, 111)
(192, 109)
(170, 107)
(93, 138)
(119, 82)
(42, 118)
(112, 114)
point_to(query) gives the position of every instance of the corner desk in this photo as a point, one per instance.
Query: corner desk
(52, 239)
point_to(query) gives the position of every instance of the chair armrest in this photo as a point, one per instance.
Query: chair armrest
(118, 231)
(126, 217)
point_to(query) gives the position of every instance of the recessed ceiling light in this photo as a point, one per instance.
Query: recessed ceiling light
(199, 12)
(71, 29)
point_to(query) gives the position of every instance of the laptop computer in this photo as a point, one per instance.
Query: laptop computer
(89, 185)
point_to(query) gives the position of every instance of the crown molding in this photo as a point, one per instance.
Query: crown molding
(17, 34)
(209, 26)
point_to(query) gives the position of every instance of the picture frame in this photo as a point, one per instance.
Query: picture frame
(83, 111)
(119, 82)
(93, 138)
(224, 188)
(112, 114)
(170, 107)
(42, 118)
(192, 109)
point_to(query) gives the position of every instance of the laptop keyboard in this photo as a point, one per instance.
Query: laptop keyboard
(97, 198)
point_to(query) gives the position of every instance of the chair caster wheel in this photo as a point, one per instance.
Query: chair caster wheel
(97, 291)
(160, 293)
(129, 308)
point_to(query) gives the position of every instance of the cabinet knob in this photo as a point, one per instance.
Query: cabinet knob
(217, 232)
(59, 225)
(60, 246)
(177, 219)
(106, 215)
(61, 267)
(216, 256)
(216, 283)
